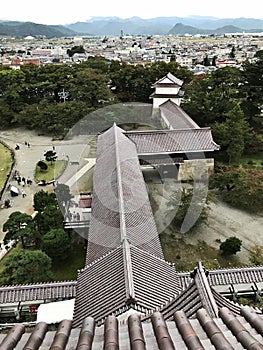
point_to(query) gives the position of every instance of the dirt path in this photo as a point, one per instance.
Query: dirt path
(223, 222)
(26, 159)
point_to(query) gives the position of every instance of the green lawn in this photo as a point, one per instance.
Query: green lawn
(6, 164)
(253, 160)
(53, 172)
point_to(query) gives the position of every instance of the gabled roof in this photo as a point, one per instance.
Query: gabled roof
(168, 79)
(124, 249)
(173, 141)
(176, 116)
(120, 204)
(126, 278)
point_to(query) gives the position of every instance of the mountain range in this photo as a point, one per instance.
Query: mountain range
(135, 26)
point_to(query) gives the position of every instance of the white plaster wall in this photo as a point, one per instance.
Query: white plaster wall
(167, 90)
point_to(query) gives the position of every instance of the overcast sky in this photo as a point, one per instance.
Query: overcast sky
(66, 12)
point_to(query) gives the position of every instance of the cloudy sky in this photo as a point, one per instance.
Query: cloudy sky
(66, 12)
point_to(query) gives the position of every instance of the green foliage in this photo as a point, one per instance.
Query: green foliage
(232, 53)
(42, 165)
(251, 92)
(56, 244)
(6, 164)
(18, 226)
(75, 49)
(42, 199)
(231, 245)
(62, 192)
(256, 255)
(52, 172)
(241, 134)
(240, 187)
(191, 208)
(26, 266)
(50, 156)
(51, 217)
(210, 98)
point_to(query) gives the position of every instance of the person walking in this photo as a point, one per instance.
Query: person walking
(23, 193)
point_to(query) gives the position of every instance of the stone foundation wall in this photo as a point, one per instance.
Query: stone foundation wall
(196, 169)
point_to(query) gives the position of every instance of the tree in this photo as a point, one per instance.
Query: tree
(233, 134)
(42, 199)
(256, 255)
(231, 245)
(63, 194)
(240, 187)
(251, 90)
(43, 166)
(50, 156)
(56, 244)
(18, 226)
(210, 98)
(51, 217)
(206, 61)
(191, 209)
(75, 49)
(232, 53)
(27, 266)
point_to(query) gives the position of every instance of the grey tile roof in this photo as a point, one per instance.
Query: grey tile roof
(103, 288)
(173, 141)
(120, 205)
(225, 332)
(238, 275)
(42, 291)
(124, 254)
(67, 289)
(169, 79)
(198, 294)
(176, 116)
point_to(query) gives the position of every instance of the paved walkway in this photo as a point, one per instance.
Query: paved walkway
(76, 151)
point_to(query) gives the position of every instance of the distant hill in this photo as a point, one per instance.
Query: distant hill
(135, 26)
(23, 29)
(165, 25)
(181, 29)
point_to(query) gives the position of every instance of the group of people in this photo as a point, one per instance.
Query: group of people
(72, 216)
(22, 180)
(75, 216)
(17, 147)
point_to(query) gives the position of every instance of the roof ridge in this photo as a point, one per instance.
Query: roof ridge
(204, 289)
(130, 293)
